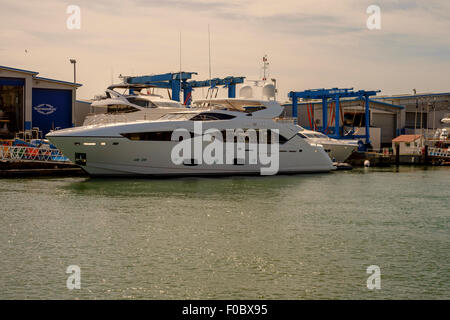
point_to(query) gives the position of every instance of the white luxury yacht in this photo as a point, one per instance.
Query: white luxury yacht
(116, 107)
(338, 150)
(152, 147)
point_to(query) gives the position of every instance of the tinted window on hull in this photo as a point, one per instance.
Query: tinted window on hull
(80, 159)
(167, 136)
(149, 136)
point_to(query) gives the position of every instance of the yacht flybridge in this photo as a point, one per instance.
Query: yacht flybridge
(117, 107)
(213, 140)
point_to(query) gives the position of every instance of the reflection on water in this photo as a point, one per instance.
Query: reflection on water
(292, 237)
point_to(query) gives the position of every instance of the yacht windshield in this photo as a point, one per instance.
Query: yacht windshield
(208, 116)
(145, 103)
(251, 109)
(140, 102)
(120, 108)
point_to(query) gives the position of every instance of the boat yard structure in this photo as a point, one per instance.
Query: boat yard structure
(30, 104)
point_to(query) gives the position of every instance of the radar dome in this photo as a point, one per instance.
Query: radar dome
(269, 91)
(246, 92)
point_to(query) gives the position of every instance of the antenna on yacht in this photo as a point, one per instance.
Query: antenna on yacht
(209, 93)
(180, 66)
(209, 54)
(265, 67)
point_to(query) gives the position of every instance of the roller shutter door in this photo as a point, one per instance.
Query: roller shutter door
(52, 109)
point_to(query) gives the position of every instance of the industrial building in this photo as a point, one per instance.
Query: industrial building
(389, 116)
(422, 113)
(31, 106)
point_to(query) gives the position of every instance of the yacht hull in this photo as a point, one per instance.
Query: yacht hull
(114, 156)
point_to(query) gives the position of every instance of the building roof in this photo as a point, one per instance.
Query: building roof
(407, 138)
(409, 96)
(18, 70)
(84, 101)
(388, 105)
(58, 81)
(34, 75)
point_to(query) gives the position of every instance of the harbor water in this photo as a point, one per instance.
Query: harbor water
(309, 236)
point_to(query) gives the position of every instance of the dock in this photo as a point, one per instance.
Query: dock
(357, 159)
(16, 169)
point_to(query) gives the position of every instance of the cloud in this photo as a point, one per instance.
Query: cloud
(310, 43)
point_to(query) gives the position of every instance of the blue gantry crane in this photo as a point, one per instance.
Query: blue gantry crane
(181, 81)
(334, 95)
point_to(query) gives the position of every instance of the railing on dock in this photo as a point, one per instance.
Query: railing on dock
(22, 153)
(438, 152)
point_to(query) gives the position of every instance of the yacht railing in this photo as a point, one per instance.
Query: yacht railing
(110, 119)
(285, 120)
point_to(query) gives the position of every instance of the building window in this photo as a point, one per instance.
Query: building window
(11, 110)
(411, 117)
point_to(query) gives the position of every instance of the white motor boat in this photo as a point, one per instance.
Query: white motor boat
(148, 147)
(338, 150)
(115, 107)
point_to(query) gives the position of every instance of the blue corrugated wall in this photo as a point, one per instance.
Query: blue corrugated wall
(51, 109)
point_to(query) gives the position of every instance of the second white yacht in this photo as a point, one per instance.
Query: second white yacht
(116, 107)
(338, 150)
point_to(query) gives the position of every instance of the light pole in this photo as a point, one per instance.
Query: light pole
(415, 115)
(434, 113)
(74, 62)
(74, 98)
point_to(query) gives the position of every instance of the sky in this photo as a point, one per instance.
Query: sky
(309, 43)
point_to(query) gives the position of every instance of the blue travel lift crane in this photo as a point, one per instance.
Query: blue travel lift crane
(334, 95)
(180, 81)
